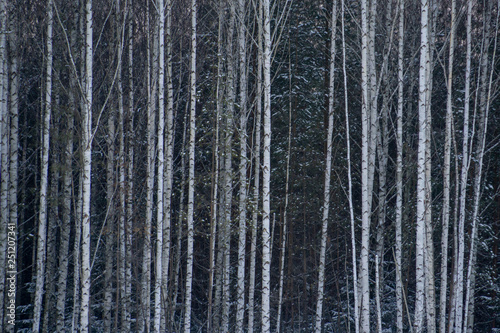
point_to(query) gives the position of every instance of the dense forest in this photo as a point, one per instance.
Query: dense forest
(250, 166)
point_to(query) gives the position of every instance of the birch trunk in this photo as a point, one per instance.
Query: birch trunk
(399, 171)
(215, 175)
(266, 173)
(192, 136)
(130, 171)
(256, 184)
(42, 224)
(365, 169)
(421, 180)
(111, 222)
(87, 155)
(459, 270)
(66, 219)
(161, 160)
(228, 174)
(144, 323)
(446, 177)
(168, 175)
(328, 170)
(240, 289)
(349, 178)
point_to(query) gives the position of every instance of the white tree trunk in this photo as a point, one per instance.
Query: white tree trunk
(144, 323)
(66, 219)
(192, 136)
(459, 269)
(240, 289)
(328, 172)
(168, 175)
(399, 171)
(256, 184)
(44, 177)
(266, 174)
(349, 178)
(161, 159)
(421, 180)
(446, 178)
(87, 160)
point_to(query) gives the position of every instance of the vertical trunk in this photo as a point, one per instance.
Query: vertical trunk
(130, 170)
(87, 154)
(266, 173)
(111, 222)
(256, 185)
(349, 178)
(328, 170)
(66, 218)
(459, 270)
(421, 181)
(240, 289)
(446, 177)
(161, 159)
(168, 176)
(215, 175)
(399, 171)
(144, 323)
(228, 173)
(42, 223)
(192, 134)
(365, 171)
(287, 186)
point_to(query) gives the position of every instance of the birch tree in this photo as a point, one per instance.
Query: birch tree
(328, 170)
(87, 155)
(240, 290)
(459, 270)
(42, 226)
(421, 178)
(266, 172)
(446, 176)
(399, 170)
(192, 137)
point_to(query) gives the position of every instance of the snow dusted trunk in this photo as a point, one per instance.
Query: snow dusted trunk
(459, 269)
(240, 289)
(42, 223)
(366, 162)
(446, 177)
(256, 184)
(327, 179)
(111, 222)
(421, 180)
(192, 136)
(161, 160)
(66, 218)
(215, 176)
(144, 322)
(399, 171)
(349, 178)
(169, 152)
(87, 155)
(266, 174)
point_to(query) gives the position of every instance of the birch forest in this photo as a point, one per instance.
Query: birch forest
(250, 166)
